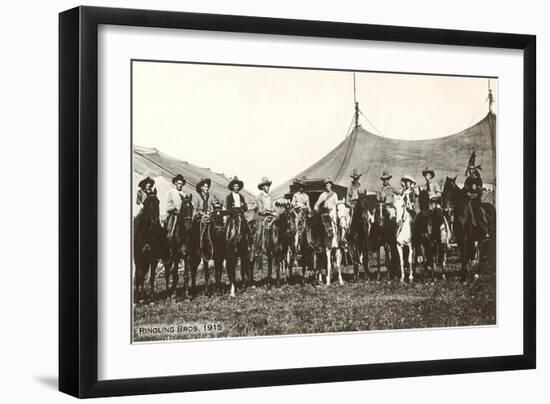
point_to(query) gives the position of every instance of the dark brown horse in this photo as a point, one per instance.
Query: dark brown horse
(359, 237)
(319, 244)
(217, 234)
(290, 225)
(469, 238)
(237, 242)
(266, 243)
(150, 245)
(382, 236)
(202, 249)
(180, 242)
(427, 236)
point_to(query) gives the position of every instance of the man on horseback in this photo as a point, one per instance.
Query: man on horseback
(266, 212)
(300, 200)
(204, 202)
(386, 193)
(410, 192)
(328, 198)
(355, 189)
(473, 187)
(235, 200)
(174, 202)
(434, 192)
(145, 189)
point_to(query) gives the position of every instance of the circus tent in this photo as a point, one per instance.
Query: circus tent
(372, 154)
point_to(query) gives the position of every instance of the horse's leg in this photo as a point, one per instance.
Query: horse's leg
(328, 252)
(278, 264)
(401, 266)
(443, 260)
(411, 271)
(269, 271)
(231, 266)
(186, 268)
(365, 261)
(388, 261)
(153, 272)
(339, 265)
(140, 277)
(378, 248)
(206, 269)
(217, 274)
(244, 268)
(477, 258)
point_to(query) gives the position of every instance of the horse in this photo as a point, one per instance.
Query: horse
(202, 249)
(180, 242)
(290, 224)
(469, 239)
(382, 236)
(150, 244)
(322, 237)
(343, 224)
(403, 235)
(266, 242)
(427, 236)
(359, 235)
(237, 241)
(218, 220)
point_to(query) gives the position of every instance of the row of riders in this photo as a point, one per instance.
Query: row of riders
(412, 225)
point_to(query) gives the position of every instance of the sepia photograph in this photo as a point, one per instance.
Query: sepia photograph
(275, 201)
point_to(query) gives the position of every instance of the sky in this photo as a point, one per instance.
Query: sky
(255, 121)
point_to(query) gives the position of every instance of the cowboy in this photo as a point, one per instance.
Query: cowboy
(264, 202)
(174, 201)
(386, 193)
(300, 200)
(265, 209)
(204, 202)
(410, 193)
(355, 190)
(328, 198)
(434, 193)
(473, 187)
(235, 200)
(145, 189)
(432, 187)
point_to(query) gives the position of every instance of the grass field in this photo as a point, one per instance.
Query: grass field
(296, 309)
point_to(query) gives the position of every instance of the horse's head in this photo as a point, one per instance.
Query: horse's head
(186, 211)
(151, 208)
(399, 206)
(424, 200)
(451, 194)
(343, 215)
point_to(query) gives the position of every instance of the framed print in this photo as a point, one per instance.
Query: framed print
(251, 201)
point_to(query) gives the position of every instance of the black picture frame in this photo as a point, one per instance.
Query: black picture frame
(78, 206)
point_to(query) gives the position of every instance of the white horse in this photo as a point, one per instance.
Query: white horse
(340, 220)
(403, 234)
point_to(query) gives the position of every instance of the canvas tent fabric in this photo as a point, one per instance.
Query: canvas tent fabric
(162, 168)
(372, 154)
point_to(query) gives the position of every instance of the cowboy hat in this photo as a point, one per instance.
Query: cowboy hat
(145, 181)
(201, 183)
(407, 177)
(234, 181)
(355, 174)
(264, 181)
(385, 175)
(177, 178)
(428, 170)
